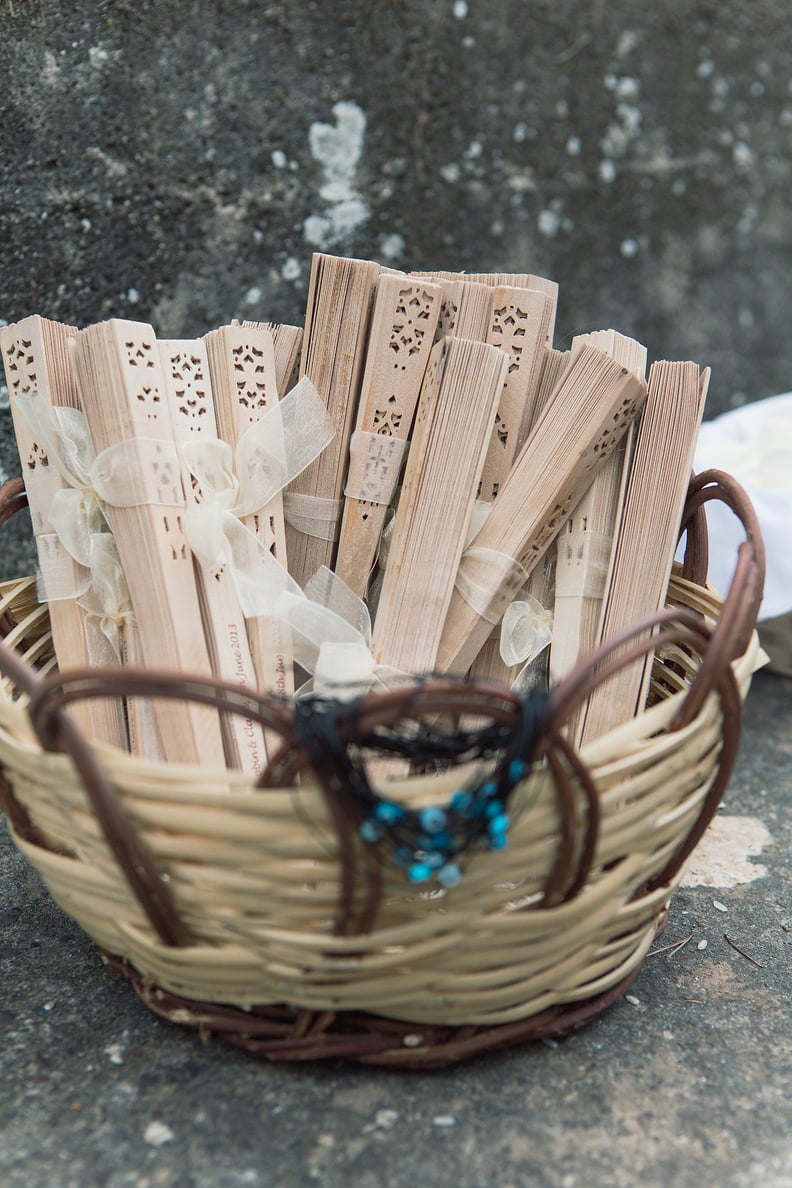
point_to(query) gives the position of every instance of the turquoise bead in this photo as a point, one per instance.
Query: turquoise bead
(432, 860)
(419, 872)
(499, 824)
(517, 770)
(370, 831)
(450, 875)
(388, 813)
(461, 801)
(433, 820)
(435, 841)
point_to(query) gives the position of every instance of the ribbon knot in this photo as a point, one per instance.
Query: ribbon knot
(107, 599)
(489, 581)
(344, 669)
(76, 514)
(526, 630)
(330, 629)
(211, 522)
(228, 484)
(75, 511)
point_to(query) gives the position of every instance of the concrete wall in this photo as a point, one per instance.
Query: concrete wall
(178, 162)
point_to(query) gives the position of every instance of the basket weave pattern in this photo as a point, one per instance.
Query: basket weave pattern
(254, 913)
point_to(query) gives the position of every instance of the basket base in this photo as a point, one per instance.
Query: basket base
(279, 1033)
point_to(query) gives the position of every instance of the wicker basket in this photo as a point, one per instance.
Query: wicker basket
(257, 914)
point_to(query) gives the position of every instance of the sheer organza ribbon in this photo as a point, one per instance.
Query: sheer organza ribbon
(106, 600)
(74, 511)
(288, 437)
(95, 580)
(313, 515)
(231, 484)
(489, 582)
(331, 629)
(328, 626)
(526, 630)
(583, 561)
(78, 559)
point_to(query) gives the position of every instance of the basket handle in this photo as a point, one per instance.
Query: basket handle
(740, 609)
(129, 850)
(50, 697)
(717, 647)
(13, 498)
(729, 640)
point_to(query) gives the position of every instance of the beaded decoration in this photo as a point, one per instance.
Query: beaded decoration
(427, 844)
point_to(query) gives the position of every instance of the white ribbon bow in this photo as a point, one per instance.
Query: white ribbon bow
(526, 630)
(328, 625)
(230, 484)
(107, 599)
(76, 513)
(488, 581)
(331, 633)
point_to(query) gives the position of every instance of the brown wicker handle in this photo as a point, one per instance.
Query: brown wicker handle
(129, 851)
(717, 648)
(13, 498)
(740, 610)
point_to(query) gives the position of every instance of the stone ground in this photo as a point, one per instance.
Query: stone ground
(685, 1083)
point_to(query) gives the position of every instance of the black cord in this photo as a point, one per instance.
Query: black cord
(428, 843)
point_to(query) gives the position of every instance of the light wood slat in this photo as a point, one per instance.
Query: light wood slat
(122, 387)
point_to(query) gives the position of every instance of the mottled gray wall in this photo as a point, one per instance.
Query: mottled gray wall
(178, 162)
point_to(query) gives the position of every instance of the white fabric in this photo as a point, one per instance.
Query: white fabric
(41, 484)
(488, 581)
(326, 613)
(107, 598)
(754, 445)
(79, 559)
(137, 471)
